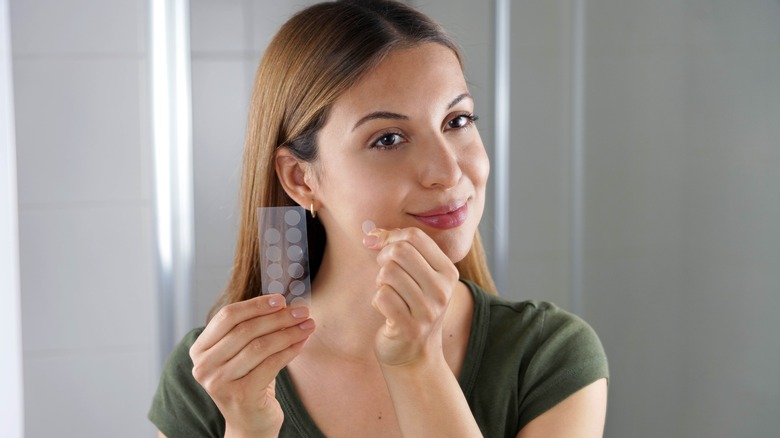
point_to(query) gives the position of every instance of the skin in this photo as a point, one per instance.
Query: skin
(391, 329)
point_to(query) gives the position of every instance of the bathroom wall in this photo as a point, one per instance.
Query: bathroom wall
(681, 213)
(80, 71)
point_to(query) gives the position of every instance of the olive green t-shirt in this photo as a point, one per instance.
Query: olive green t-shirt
(522, 359)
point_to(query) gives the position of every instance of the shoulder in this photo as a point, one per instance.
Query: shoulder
(533, 352)
(537, 326)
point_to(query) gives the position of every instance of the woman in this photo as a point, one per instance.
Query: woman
(361, 112)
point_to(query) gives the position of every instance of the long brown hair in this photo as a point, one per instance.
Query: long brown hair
(315, 57)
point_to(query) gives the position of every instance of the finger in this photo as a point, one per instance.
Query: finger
(257, 352)
(406, 256)
(261, 376)
(380, 238)
(394, 308)
(434, 284)
(243, 333)
(403, 283)
(233, 314)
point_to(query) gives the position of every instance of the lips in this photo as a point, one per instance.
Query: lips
(445, 217)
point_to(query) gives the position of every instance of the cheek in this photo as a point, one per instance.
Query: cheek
(355, 183)
(477, 166)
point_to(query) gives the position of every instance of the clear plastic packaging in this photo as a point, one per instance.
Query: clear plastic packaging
(284, 253)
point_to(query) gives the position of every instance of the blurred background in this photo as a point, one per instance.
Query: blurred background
(641, 190)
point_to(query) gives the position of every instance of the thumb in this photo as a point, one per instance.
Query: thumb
(376, 239)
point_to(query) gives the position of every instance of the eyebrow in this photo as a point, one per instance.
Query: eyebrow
(379, 115)
(395, 116)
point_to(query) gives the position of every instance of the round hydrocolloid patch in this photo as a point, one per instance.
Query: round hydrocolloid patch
(292, 217)
(368, 226)
(274, 253)
(297, 287)
(295, 270)
(275, 271)
(295, 253)
(293, 235)
(275, 287)
(272, 236)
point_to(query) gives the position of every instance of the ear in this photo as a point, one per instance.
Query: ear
(295, 176)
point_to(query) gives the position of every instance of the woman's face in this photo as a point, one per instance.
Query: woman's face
(400, 149)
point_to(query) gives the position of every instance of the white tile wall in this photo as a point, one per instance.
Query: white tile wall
(539, 157)
(89, 393)
(220, 104)
(266, 18)
(71, 27)
(80, 130)
(87, 265)
(218, 27)
(95, 291)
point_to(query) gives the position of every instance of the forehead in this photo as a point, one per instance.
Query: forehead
(407, 79)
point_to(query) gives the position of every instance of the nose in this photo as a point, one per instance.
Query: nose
(439, 164)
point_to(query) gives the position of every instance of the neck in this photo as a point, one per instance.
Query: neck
(341, 304)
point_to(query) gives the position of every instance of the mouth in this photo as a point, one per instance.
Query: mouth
(445, 217)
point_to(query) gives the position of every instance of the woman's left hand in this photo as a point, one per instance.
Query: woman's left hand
(414, 286)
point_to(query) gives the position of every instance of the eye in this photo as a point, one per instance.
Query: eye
(389, 140)
(462, 121)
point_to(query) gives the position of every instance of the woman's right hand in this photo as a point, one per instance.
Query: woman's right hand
(240, 352)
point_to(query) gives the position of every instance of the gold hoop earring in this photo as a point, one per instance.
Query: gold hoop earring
(311, 209)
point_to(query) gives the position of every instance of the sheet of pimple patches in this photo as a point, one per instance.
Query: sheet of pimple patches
(284, 253)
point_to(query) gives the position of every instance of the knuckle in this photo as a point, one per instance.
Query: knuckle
(452, 273)
(199, 373)
(242, 329)
(385, 274)
(414, 233)
(225, 313)
(213, 388)
(259, 345)
(441, 302)
(276, 360)
(429, 314)
(399, 249)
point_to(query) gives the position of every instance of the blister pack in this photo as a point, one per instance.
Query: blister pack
(284, 253)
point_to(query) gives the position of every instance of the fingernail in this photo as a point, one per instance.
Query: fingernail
(275, 300)
(307, 325)
(299, 312)
(371, 241)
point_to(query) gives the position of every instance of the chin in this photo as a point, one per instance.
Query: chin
(456, 249)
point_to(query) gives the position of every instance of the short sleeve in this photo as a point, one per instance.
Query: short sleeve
(181, 407)
(568, 357)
